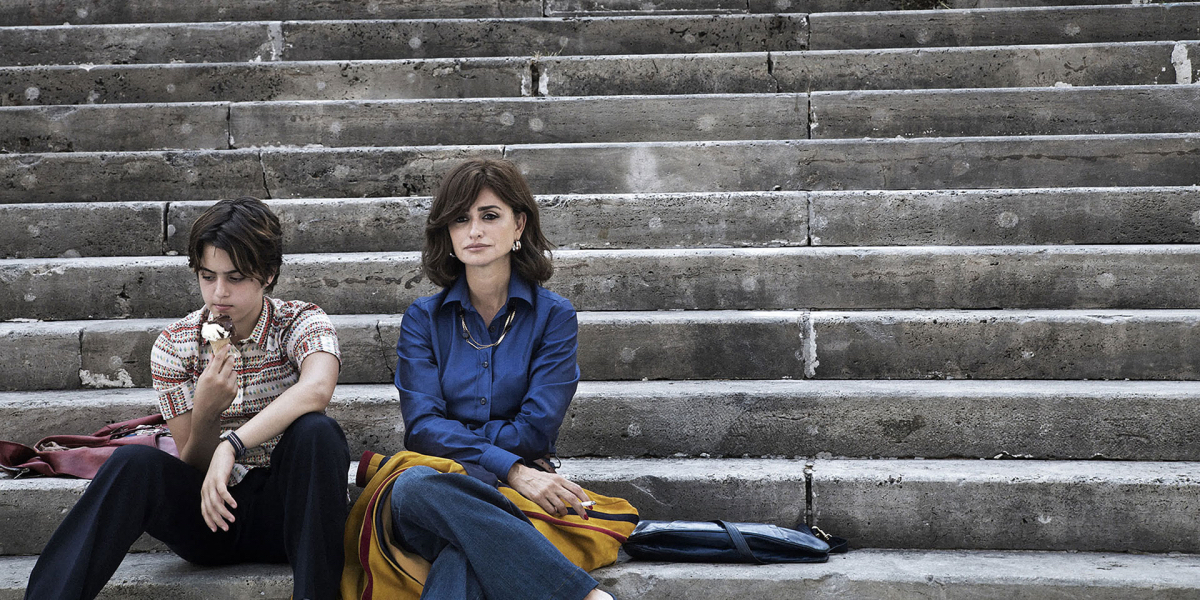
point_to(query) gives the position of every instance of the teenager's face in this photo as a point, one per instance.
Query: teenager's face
(486, 232)
(228, 292)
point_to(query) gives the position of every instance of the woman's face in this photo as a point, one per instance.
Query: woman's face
(486, 232)
(226, 291)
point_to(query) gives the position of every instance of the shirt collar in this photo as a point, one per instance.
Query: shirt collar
(259, 335)
(518, 288)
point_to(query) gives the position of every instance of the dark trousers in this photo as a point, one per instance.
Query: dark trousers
(293, 512)
(479, 543)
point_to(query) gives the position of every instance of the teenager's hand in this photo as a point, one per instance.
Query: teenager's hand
(553, 492)
(217, 386)
(215, 499)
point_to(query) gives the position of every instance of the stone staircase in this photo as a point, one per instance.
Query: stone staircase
(925, 278)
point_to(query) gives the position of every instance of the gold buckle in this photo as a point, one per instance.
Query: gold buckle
(821, 535)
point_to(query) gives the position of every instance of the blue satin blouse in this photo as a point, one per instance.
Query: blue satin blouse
(489, 407)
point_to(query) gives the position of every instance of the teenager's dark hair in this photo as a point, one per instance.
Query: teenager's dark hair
(458, 191)
(248, 231)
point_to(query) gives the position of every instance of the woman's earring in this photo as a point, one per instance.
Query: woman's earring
(516, 246)
(452, 254)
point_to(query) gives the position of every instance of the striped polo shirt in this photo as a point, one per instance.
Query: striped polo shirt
(269, 363)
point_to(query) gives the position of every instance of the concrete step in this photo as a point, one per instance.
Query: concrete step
(1154, 215)
(865, 574)
(1081, 420)
(219, 125)
(251, 82)
(930, 504)
(891, 277)
(1009, 111)
(49, 12)
(656, 167)
(621, 7)
(703, 117)
(1133, 63)
(942, 344)
(1003, 27)
(393, 39)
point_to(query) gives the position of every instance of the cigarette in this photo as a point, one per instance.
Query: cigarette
(588, 503)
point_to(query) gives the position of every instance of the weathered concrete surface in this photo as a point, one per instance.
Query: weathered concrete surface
(928, 163)
(50, 12)
(364, 40)
(1010, 505)
(32, 508)
(1147, 215)
(1014, 26)
(1098, 344)
(350, 172)
(520, 121)
(116, 354)
(884, 419)
(725, 73)
(570, 221)
(867, 574)
(627, 7)
(905, 277)
(257, 82)
(95, 229)
(919, 575)
(26, 417)
(142, 43)
(1135, 63)
(129, 176)
(368, 347)
(327, 225)
(1013, 111)
(817, 6)
(193, 126)
(760, 490)
(40, 356)
(369, 414)
(674, 345)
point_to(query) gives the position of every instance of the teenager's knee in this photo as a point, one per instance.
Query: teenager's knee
(135, 461)
(316, 428)
(415, 487)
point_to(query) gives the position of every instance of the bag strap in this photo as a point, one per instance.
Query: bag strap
(837, 545)
(739, 542)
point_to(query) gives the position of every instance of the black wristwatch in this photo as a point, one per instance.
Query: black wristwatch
(239, 449)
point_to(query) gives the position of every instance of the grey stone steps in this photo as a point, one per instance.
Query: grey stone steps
(935, 344)
(873, 164)
(621, 7)
(397, 39)
(1081, 420)
(1002, 27)
(704, 117)
(218, 126)
(890, 277)
(49, 12)
(867, 574)
(1133, 63)
(930, 504)
(1154, 215)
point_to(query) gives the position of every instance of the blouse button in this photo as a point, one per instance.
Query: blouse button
(483, 400)
(485, 364)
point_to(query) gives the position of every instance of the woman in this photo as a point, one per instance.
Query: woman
(233, 412)
(486, 371)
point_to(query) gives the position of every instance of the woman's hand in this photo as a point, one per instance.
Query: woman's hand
(217, 386)
(553, 492)
(215, 499)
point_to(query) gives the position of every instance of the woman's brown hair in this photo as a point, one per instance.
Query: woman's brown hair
(458, 191)
(247, 230)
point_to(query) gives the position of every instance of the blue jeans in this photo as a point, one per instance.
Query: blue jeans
(479, 543)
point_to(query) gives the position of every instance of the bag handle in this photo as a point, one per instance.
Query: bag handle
(739, 542)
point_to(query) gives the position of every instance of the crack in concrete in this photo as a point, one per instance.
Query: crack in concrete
(771, 73)
(384, 350)
(166, 220)
(810, 346)
(229, 141)
(262, 164)
(808, 492)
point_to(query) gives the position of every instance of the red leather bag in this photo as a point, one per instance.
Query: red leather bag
(82, 455)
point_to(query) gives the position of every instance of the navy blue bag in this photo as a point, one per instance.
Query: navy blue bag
(724, 542)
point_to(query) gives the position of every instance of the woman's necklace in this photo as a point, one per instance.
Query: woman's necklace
(462, 318)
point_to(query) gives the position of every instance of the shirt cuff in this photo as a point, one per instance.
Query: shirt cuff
(498, 461)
